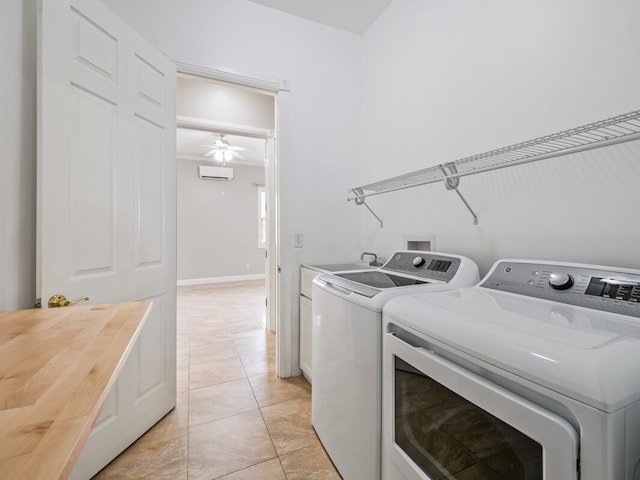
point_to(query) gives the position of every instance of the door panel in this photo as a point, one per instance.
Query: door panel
(149, 183)
(91, 186)
(152, 373)
(106, 198)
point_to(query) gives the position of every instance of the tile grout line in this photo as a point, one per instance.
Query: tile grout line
(262, 416)
(204, 343)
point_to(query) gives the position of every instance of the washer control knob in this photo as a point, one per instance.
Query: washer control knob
(560, 280)
(418, 262)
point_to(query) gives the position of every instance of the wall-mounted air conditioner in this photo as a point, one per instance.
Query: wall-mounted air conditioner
(210, 172)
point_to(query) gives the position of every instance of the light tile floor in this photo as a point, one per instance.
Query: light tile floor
(234, 419)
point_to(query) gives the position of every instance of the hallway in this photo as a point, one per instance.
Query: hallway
(234, 419)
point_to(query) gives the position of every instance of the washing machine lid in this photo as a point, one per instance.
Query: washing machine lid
(367, 283)
(405, 269)
(380, 279)
(588, 355)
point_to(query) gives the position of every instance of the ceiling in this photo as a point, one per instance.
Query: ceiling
(352, 15)
(191, 145)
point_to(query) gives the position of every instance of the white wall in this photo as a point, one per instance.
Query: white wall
(218, 220)
(443, 80)
(322, 65)
(320, 150)
(204, 99)
(440, 80)
(18, 158)
(218, 224)
(431, 81)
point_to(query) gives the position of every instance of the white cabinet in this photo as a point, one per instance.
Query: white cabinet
(305, 336)
(306, 280)
(307, 274)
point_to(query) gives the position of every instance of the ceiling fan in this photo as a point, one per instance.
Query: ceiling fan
(223, 151)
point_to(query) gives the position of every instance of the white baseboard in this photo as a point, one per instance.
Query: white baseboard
(233, 278)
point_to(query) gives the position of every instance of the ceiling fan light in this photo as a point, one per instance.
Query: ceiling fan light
(227, 155)
(219, 155)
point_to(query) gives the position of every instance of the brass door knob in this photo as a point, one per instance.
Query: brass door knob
(61, 301)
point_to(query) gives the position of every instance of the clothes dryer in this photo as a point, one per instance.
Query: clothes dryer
(533, 373)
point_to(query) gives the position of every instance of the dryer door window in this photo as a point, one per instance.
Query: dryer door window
(444, 422)
(450, 438)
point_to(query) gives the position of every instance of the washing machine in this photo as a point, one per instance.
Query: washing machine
(346, 349)
(534, 373)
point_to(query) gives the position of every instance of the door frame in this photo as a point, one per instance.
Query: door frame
(276, 296)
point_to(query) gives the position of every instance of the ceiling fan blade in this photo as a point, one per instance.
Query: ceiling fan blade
(210, 153)
(235, 155)
(240, 149)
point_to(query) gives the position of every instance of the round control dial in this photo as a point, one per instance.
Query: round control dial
(418, 262)
(560, 280)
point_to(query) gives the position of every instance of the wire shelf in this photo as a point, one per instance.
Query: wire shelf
(622, 128)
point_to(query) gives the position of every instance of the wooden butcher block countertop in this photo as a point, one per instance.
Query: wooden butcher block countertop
(57, 367)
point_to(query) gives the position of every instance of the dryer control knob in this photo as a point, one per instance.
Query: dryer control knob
(560, 281)
(418, 261)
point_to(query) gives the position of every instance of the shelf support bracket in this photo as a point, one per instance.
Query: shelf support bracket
(359, 199)
(452, 183)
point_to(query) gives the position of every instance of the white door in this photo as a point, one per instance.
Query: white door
(106, 198)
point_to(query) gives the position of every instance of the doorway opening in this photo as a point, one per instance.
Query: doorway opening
(233, 120)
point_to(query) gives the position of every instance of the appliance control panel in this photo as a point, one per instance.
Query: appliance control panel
(423, 264)
(599, 288)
